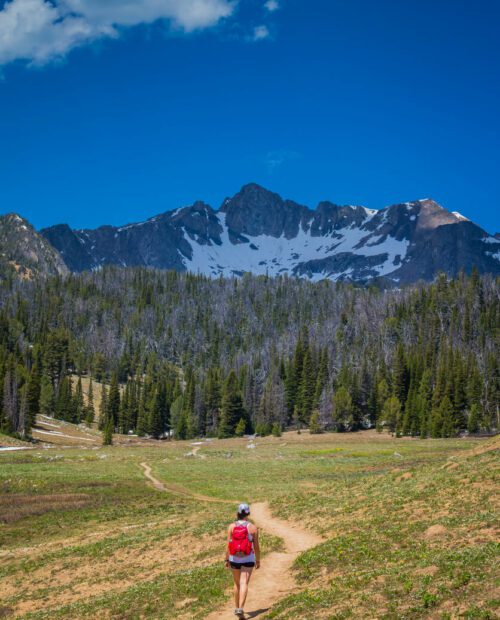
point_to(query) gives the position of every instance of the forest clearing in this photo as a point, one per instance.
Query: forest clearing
(394, 527)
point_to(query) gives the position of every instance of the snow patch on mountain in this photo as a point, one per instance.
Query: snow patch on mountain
(265, 254)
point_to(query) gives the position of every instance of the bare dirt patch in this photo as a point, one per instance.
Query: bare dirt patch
(435, 531)
(427, 570)
(16, 507)
(274, 580)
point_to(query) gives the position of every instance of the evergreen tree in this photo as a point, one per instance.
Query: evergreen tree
(391, 413)
(143, 417)
(232, 406)
(382, 395)
(400, 374)
(90, 410)
(314, 425)
(47, 397)
(113, 401)
(307, 387)
(240, 428)
(447, 416)
(107, 435)
(189, 405)
(78, 404)
(33, 394)
(321, 378)
(103, 409)
(473, 423)
(64, 409)
(276, 430)
(342, 410)
(156, 425)
(178, 418)
(424, 401)
(10, 400)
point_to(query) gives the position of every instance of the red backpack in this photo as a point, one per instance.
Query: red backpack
(240, 544)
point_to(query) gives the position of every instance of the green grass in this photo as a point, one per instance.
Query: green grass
(120, 550)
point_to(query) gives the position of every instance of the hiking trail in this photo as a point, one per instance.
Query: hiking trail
(273, 580)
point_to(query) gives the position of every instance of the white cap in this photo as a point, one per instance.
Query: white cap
(244, 509)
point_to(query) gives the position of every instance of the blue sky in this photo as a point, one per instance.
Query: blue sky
(115, 118)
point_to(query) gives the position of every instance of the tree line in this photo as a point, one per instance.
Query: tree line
(183, 355)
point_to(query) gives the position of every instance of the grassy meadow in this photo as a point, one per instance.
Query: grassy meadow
(410, 527)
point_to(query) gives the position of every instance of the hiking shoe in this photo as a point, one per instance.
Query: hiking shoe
(239, 612)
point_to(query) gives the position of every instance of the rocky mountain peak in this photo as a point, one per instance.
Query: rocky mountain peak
(258, 231)
(256, 211)
(432, 215)
(26, 252)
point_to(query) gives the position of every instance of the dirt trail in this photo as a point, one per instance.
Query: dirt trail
(178, 490)
(273, 580)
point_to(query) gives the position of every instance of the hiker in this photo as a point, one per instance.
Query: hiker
(242, 555)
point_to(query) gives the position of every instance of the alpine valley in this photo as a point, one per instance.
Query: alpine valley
(257, 231)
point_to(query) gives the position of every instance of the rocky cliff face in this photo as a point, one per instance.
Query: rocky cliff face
(25, 252)
(258, 231)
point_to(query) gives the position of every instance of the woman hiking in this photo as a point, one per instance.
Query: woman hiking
(242, 555)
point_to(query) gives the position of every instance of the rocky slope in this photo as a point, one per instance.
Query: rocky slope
(258, 231)
(25, 252)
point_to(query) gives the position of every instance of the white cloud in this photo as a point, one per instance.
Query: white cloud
(272, 5)
(260, 33)
(41, 30)
(275, 159)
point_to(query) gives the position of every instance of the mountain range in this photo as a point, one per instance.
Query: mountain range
(258, 231)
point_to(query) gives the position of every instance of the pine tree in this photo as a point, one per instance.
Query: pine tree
(78, 404)
(10, 400)
(294, 375)
(143, 418)
(391, 413)
(447, 416)
(400, 374)
(156, 424)
(314, 425)
(124, 415)
(107, 435)
(322, 377)
(436, 423)
(240, 428)
(189, 404)
(382, 395)
(47, 397)
(33, 394)
(90, 410)
(307, 387)
(133, 404)
(178, 419)
(473, 423)
(232, 406)
(276, 430)
(343, 410)
(424, 400)
(24, 423)
(296, 420)
(113, 401)
(103, 409)
(64, 409)
(212, 398)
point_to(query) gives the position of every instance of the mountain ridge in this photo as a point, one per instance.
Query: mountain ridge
(24, 252)
(258, 231)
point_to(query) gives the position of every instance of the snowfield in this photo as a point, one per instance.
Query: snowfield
(265, 254)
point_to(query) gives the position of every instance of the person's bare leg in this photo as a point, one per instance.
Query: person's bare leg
(236, 578)
(246, 573)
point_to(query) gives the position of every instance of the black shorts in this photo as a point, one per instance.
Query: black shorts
(238, 565)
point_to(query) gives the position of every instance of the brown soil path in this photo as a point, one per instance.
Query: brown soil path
(273, 580)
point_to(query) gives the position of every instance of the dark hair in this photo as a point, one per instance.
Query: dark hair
(242, 515)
